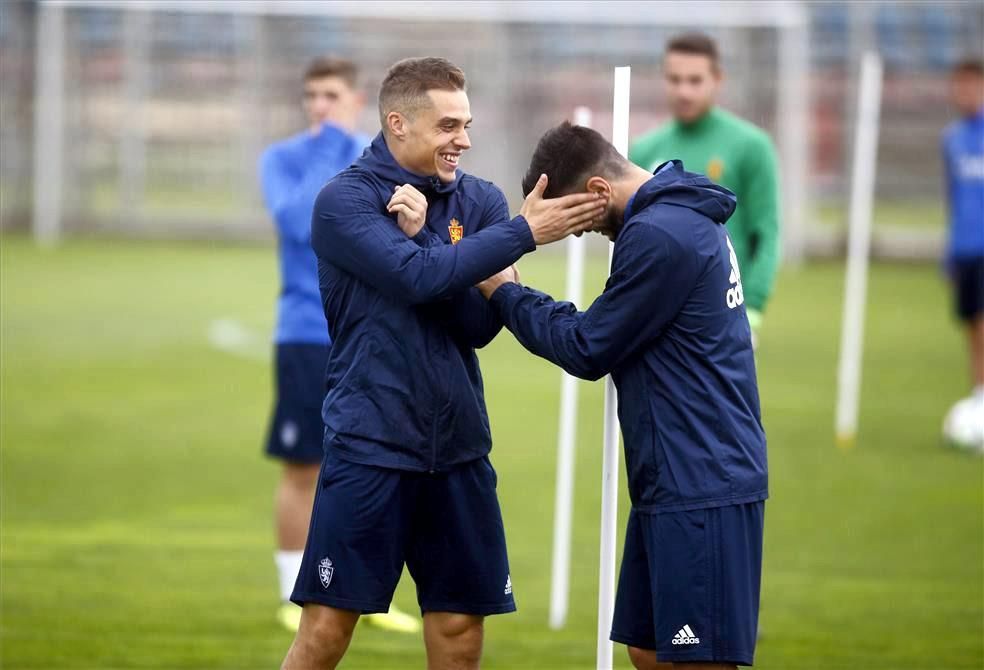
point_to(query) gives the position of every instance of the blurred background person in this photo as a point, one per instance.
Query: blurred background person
(729, 150)
(292, 173)
(963, 160)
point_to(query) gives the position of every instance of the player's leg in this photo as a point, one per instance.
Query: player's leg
(353, 557)
(295, 439)
(453, 640)
(456, 554)
(322, 638)
(645, 659)
(294, 499)
(975, 337)
(969, 289)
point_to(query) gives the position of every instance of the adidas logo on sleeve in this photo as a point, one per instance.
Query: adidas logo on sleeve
(685, 636)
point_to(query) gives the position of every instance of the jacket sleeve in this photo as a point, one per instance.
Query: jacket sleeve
(759, 201)
(468, 316)
(652, 277)
(472, 320)
(289, 191)
(351, 230)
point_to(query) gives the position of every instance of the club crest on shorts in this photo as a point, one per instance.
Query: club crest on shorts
(456, 231)
(325, 571)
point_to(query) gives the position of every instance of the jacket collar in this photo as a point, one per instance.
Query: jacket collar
(671, 184)
(378, 160)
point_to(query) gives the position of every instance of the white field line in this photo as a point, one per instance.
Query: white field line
(231, 336)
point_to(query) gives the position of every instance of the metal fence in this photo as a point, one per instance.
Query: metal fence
(162, 112)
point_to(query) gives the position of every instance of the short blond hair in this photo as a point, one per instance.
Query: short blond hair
(404, 89)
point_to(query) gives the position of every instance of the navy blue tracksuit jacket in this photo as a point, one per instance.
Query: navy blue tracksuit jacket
(404, 386)
(671, 329)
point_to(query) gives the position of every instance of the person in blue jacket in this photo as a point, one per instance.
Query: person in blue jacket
(402, 237)
(292, 171)
(963, 162)
(671, 329)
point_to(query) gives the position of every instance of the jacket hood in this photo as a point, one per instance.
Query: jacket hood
(673, 185)
(378, 160)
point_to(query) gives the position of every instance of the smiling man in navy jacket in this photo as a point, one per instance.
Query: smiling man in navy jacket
(671, 329)
(402, 237)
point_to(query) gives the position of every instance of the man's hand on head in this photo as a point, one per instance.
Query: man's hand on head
(410, 206)
(508, 276)
(556, 218)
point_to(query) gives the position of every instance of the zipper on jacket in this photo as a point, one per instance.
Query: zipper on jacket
(437, 407)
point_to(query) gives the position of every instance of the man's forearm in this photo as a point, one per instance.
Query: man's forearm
(373, 249)
(471, 319)
(546, 328)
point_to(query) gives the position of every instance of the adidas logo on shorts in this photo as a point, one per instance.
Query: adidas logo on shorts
(685, 636)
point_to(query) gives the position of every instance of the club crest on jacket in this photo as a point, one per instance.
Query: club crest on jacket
(456, 231)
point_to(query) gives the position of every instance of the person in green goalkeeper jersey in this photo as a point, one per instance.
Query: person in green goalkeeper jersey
(730, 151)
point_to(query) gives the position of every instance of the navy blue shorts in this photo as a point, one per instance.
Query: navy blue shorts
(689, 584)
(296, 430)
(968, 284)
(369, 521)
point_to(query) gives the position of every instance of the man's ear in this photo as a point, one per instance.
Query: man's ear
(599, 185)
(397, 125)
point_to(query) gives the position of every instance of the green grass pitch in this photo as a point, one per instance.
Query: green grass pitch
(136, 507)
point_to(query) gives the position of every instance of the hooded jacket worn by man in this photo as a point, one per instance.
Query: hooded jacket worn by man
(671, 329)
(404, 385)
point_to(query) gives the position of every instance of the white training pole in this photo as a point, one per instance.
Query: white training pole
(49, 133)
(859, 242)
(609, 464)
(793, 133)
(566, 440)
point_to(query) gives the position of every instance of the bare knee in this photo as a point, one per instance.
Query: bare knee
(451, 626)
(293, 502)
(328, 624)
(454, 641)
(322, 638)
(645, 659)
